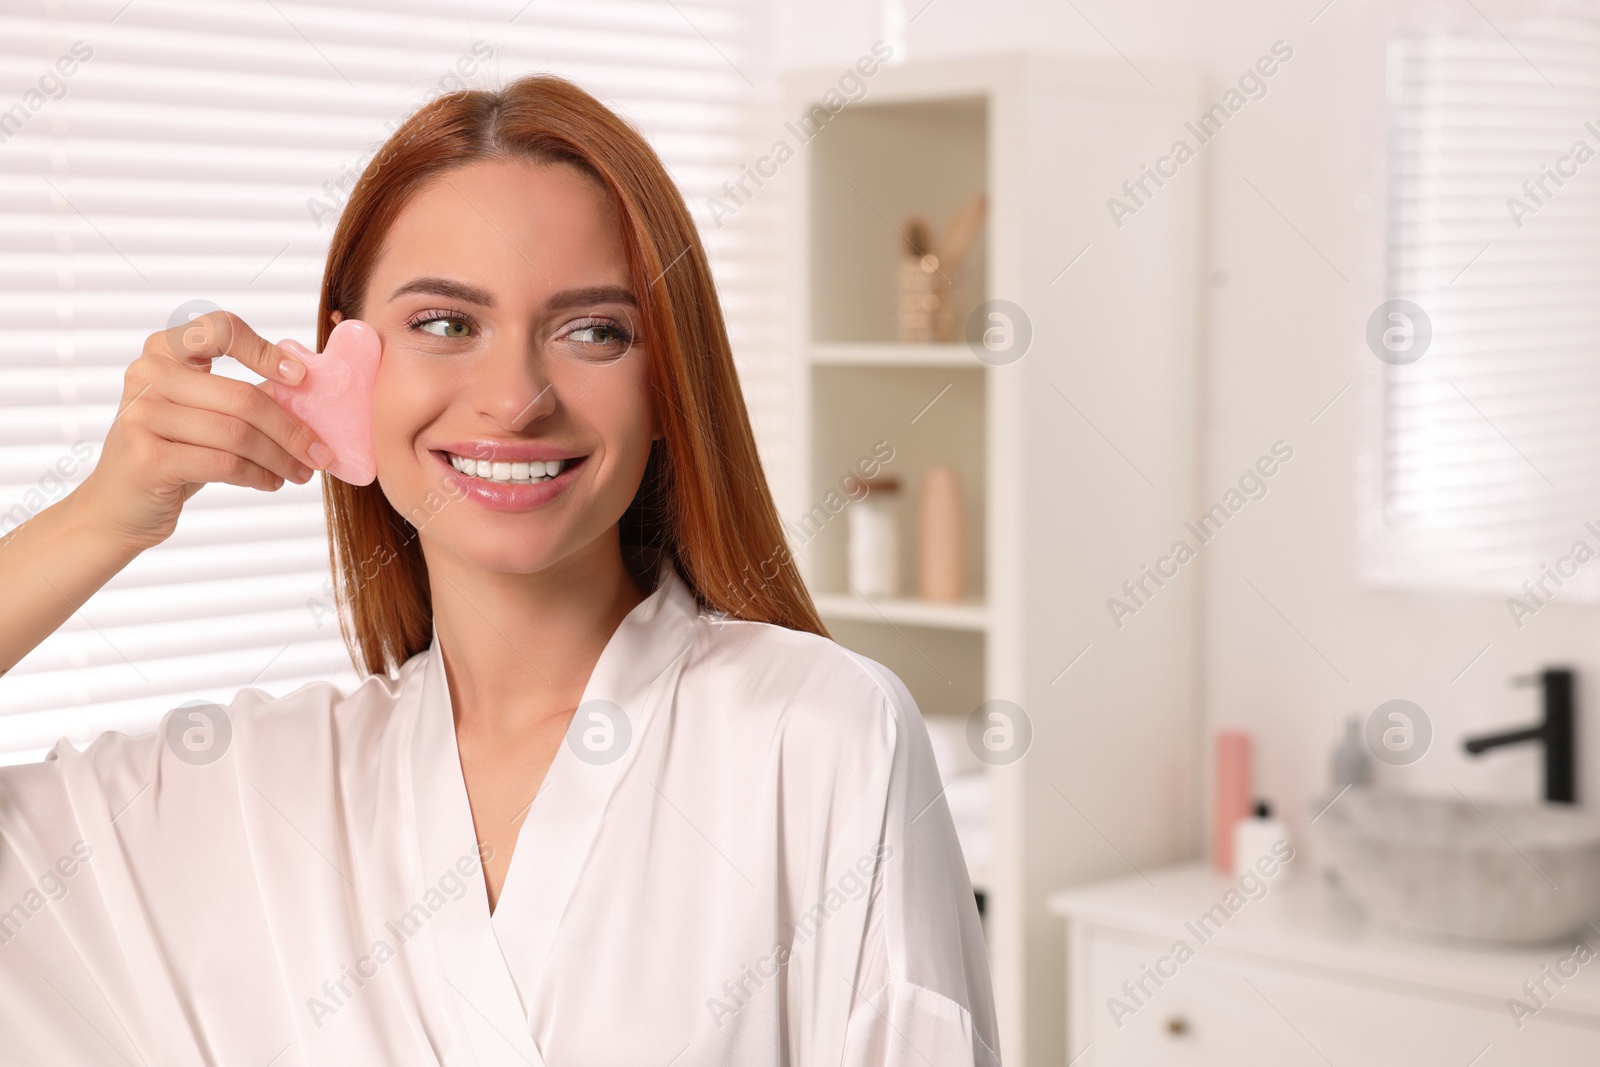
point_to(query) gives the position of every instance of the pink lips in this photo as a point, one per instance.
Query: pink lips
(504, 497)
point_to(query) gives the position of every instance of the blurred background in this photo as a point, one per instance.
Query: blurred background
(1194, 402)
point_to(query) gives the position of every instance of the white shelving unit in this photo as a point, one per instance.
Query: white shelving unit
(1078, 462)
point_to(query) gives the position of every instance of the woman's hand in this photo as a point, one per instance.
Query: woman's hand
(179, 426)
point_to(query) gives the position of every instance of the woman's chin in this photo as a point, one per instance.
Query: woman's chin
(513, 558)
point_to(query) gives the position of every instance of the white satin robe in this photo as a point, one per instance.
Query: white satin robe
(766, 875)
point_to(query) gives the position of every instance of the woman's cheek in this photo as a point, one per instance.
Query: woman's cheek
(403, 401)
(635, 385)
(614, 398)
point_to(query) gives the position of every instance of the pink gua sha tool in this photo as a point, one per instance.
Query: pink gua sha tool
(335, 397)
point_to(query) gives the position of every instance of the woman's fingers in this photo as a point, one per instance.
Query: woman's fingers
(219, 425)
(179, 426)
(200, 465)
(282, 442)
(222, 333)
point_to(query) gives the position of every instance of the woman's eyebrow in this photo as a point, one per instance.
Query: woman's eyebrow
(594, 294)
(568, 298)
(445, 287)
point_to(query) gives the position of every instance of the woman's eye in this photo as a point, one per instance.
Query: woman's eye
(600, 333)
(445, 327)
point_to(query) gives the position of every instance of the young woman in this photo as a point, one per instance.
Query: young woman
(608, 795)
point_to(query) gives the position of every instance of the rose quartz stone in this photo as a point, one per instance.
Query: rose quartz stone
(335, 397)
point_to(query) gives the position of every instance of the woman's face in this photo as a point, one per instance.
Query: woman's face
(510, 336)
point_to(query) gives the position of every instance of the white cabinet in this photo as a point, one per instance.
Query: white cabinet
(1075, 453)
(1298, 977)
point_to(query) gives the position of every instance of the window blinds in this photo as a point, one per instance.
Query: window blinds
(1491, 440)
(157, 153)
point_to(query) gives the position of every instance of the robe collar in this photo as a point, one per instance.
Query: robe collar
(493, 965)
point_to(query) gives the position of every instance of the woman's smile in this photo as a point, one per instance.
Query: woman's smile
(505, 484)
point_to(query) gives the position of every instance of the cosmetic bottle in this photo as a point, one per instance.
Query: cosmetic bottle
(1231, 795)
(1256, 837)
(1352, 764)
(873, 549)
(941, 545)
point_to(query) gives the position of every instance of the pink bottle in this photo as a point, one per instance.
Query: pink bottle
(1232, 794)
(943, 550)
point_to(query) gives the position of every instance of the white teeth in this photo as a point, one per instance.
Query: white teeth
(509, 473)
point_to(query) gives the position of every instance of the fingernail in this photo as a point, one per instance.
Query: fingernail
(301, 471)
(291, 369)
(320, 456)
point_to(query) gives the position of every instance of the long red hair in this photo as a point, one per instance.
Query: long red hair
(704, 499)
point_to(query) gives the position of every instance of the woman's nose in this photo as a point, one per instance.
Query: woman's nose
(511, 388)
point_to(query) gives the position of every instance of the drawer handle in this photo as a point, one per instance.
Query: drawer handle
(1177, 1025)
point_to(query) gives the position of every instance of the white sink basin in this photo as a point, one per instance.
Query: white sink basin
(1477, 870)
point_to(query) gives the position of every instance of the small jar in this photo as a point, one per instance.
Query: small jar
(874, 545)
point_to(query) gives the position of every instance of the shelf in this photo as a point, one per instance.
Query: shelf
(967, 615)
(891, 354)
(880, 165)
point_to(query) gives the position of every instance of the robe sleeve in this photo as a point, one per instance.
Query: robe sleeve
(923, 996)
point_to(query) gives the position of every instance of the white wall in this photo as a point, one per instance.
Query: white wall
(1296, 186)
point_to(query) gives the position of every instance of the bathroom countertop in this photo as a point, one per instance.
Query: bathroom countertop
(1302, 920)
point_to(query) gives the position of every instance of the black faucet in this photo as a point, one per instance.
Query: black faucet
(1555, 731)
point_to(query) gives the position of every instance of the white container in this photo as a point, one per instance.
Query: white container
(874, 545)
(1256, 837)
